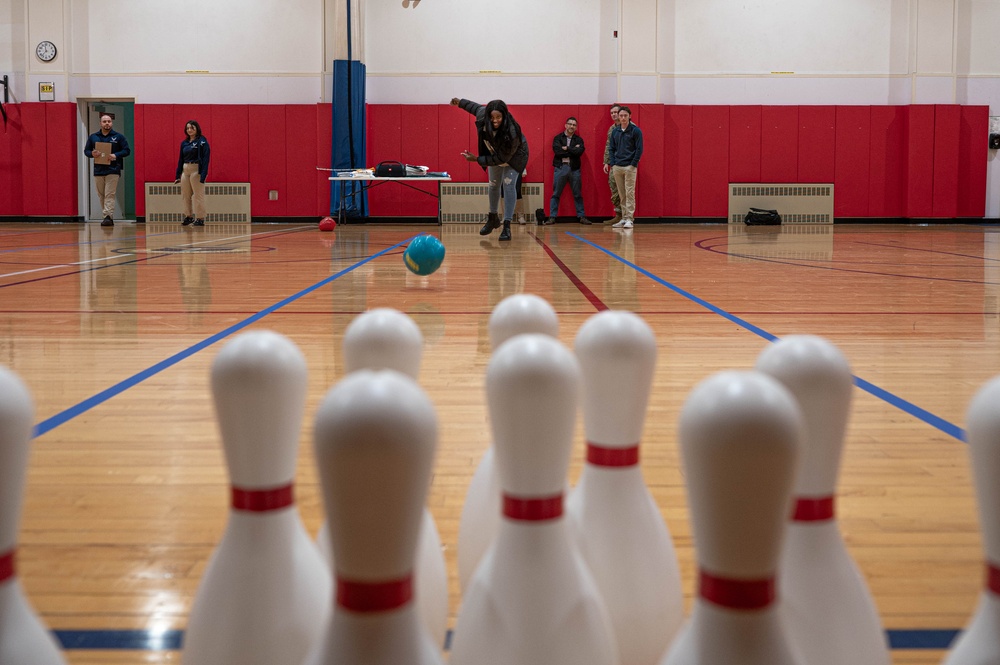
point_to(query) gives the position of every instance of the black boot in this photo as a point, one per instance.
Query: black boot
(505, 234)
(492, 222)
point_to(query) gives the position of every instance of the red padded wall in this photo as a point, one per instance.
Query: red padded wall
(300, 168)
(817, 135)
(744, 143)
(973, 154)
(920, 161)
(710, 161)
(268, 153)
(947, 130)
(160, 146)
(419, 146)
(851, 159)
(324, 149)
(456, 133)
(532, 121)
(677, 156)
(34, 158)
(779, 144)
(385, 127)
(61, 157)
(11, 166)
(649, 186)
(887, 162)
(230, 144)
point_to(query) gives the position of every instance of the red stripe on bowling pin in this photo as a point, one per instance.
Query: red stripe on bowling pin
(993, 578)
(614, 457)
(813, 510)
(533, 510)
(6, 566)
(736, 594)
(262, 501)
(374, 596)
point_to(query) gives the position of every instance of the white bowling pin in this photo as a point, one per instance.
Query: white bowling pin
(515, 315)
(829, 611)
(23, 638)
(740, 436)
(265, 595)
(375, 438)
(617, 525)
(532, 600)
(979, 643)
(385, 338)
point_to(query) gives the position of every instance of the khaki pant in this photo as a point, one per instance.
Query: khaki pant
(625, 180)
(192, 190)
(107, 187)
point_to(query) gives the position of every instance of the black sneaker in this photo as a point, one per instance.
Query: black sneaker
(187, 221)
(584, 220)
(199, 222)
(107, 221)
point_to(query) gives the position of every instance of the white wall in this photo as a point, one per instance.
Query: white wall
(525, 51)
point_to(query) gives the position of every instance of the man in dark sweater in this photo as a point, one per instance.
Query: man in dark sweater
(626, 151)
(107, 164)
(567, 146)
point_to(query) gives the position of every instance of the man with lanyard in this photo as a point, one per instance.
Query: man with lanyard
(106, 175)
(567, 146)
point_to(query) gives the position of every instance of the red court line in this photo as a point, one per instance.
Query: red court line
(577, 282)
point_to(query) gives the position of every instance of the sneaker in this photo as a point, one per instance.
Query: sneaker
(621, 224)
(199, 222)
(187, 221)
(584, 220)
(549, 221)
(614, 220)
(627, 224)
(107, 221)
(522, 219)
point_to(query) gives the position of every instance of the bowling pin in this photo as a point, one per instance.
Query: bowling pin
(385, 338)
(375, 437)
(979, 643)
(480, 520)
(532, 600)
(618, 526)
(265, 595)
(740, 436)
(23, 638)
(827, 606)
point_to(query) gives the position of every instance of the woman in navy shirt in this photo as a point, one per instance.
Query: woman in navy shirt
(192, 172)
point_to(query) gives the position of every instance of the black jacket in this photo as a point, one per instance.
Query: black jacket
(517, 158)
(574, 152)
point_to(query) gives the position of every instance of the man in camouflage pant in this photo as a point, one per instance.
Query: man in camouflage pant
(616, 200)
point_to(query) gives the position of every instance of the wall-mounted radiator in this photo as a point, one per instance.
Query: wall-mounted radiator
(797, 203)
(224, 202)
(468, 202)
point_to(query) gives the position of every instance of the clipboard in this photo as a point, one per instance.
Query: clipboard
(106, 150)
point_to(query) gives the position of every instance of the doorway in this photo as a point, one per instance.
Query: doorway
(124, 123)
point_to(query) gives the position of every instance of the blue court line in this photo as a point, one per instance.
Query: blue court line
(62, 417)
(912, 409)
(172, 640)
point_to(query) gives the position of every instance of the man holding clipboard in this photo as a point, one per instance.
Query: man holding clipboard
(107, 148)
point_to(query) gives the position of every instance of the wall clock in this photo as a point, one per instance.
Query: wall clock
(46, 51)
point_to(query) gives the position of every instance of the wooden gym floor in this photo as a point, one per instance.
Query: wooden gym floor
(114, 331)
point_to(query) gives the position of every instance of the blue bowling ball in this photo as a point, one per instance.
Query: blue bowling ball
(424, 255)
